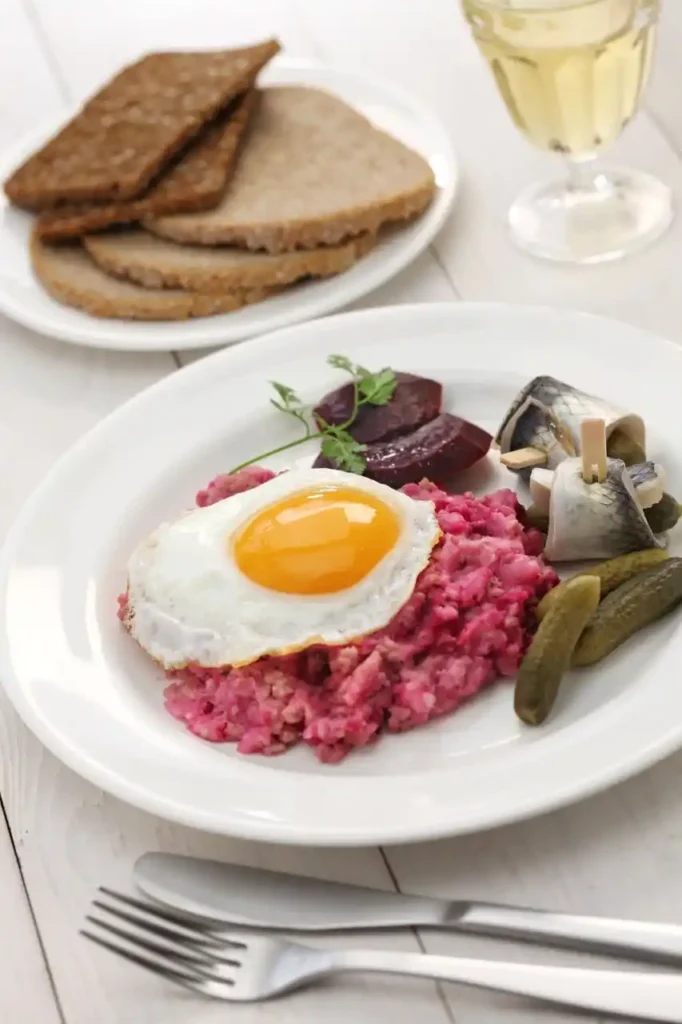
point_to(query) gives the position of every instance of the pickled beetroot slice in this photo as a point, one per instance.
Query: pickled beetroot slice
(436, 451)
(416, 400)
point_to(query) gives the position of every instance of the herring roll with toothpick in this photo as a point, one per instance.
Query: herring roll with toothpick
(542, 427)
(594, 509)
(595, 520)
(648, 479)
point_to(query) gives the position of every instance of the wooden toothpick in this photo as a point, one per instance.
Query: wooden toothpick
(593, 444)
(524, 458)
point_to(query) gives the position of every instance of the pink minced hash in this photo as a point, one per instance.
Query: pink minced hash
(467, 623)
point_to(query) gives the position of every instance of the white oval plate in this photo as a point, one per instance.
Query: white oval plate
(81, 684)
(24, 300)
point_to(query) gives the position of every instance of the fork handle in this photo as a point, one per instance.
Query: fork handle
(650, 997)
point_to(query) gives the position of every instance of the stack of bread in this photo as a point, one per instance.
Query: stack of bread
(183, 189)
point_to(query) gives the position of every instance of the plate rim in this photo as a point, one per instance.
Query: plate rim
(112, 335)
(616, 771)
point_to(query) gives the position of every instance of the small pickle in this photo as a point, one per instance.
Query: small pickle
(636, 604)
(620, 446)
(549, 656)
(536, 519)
(611, 574)
(665, 515)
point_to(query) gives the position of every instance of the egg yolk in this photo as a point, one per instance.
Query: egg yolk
(316, 542)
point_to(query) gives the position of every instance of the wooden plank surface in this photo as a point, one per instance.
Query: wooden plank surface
(26, 991)
(620, 853)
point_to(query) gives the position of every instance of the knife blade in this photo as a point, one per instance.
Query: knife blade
(233, 894)
(229, 894)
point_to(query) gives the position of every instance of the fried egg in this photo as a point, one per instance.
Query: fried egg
(313, 556)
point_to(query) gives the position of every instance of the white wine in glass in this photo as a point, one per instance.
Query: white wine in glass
(572, 74)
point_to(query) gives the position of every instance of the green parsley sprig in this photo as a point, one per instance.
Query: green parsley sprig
(338, 444)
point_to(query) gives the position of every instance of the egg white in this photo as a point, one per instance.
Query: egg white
(189, 602)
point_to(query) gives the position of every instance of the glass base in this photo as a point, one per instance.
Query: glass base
(599, 216)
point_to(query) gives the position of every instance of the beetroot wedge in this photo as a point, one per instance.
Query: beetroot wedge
(436, 451)
(415, 401)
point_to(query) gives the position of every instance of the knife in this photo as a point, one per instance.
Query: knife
(228, 894)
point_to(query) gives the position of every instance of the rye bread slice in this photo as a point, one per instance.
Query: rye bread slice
(153, 262)
(195, 181)
(134, 125)
(312, 172)
(72, 278)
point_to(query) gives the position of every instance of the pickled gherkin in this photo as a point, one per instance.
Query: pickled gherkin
(549, 655)
(621, 446)
(644, 599)
(536, 519)
(611, 574)
(664, 515)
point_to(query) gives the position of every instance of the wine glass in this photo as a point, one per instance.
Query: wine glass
(572, 73)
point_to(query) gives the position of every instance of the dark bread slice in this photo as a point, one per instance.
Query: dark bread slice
(72, 278)
(313, 172)
(132, 127)
(138, 256)
(196, 181)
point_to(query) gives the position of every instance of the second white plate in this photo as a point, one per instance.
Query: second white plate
(22, 298)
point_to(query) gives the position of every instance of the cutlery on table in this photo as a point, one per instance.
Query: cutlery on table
(231, 894)
(238, 967)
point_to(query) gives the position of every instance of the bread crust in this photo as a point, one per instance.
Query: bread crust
(154, 262)
(131, 128)
(313, 172)
(69, 275)
(195, 182)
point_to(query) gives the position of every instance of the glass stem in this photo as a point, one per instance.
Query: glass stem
(582, 174)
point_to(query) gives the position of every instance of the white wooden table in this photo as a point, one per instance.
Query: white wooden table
(620, 853)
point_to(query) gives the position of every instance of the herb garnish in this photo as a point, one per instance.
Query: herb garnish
(338, 445)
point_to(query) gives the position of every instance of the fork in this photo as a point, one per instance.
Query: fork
(243, 968)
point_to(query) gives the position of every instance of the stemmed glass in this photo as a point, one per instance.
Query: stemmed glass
(572, 74)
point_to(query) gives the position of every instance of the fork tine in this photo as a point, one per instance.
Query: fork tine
(172, 944)
(209, 967)
(155, 910)
(175, 931)
(184, 921)
(186, 978)
(162, 949)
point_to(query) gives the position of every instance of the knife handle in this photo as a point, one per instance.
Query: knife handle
(635, 939)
